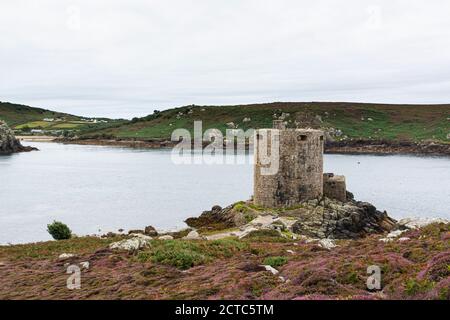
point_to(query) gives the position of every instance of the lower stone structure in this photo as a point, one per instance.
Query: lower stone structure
(334, 187)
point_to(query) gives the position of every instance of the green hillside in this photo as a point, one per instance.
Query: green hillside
(17, 114)
(23, 119)
(345, 120)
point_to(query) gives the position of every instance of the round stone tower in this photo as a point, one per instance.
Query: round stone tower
(295, 159)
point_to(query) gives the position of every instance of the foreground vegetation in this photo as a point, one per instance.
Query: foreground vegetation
(418, 268)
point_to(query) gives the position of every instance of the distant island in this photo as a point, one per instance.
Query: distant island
(349, 127)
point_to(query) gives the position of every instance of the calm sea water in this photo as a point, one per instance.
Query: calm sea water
(94, 188)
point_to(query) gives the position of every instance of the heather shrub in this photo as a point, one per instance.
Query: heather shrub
(59, 231)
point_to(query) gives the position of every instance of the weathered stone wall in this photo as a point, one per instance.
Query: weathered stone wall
(300, 173)
(334, 187)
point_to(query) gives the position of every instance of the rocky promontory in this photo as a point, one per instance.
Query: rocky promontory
(9, 143)
(318, 219)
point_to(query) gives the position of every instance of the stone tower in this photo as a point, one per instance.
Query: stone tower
(300, 166)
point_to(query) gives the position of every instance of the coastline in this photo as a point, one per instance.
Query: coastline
(374, 147)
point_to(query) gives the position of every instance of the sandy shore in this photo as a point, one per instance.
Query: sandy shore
(36, 138)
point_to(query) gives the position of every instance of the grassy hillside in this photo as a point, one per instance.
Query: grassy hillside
(344, 120)
(349, 120)
(17, 114)
(24, 118)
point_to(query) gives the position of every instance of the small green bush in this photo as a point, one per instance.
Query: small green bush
(59, 231)
(275, 261)
(265, 235)
(187, 254)
(413, 286)
(241, 207)
(183, 255)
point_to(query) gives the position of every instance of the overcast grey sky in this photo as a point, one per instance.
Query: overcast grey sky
(127, 58)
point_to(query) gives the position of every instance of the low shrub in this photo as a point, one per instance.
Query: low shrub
(413, 286)
(59, 231)
(275, 261)
(187, 254)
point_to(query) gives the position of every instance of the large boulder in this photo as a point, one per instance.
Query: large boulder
(9, 143)
(135, 243)
(218, 219)
(332, 219)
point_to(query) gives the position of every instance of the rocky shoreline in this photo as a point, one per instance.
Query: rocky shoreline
(8, 142)
(374, 147)
(387, 147)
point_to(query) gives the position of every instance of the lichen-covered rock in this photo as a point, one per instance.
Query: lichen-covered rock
(391, 236)
(137, 242)
(270, 269)
(327, 244)
(193, 235)
(217, 219)
(318, 218)
(335, 220)
(65, 256)
(8, 142)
